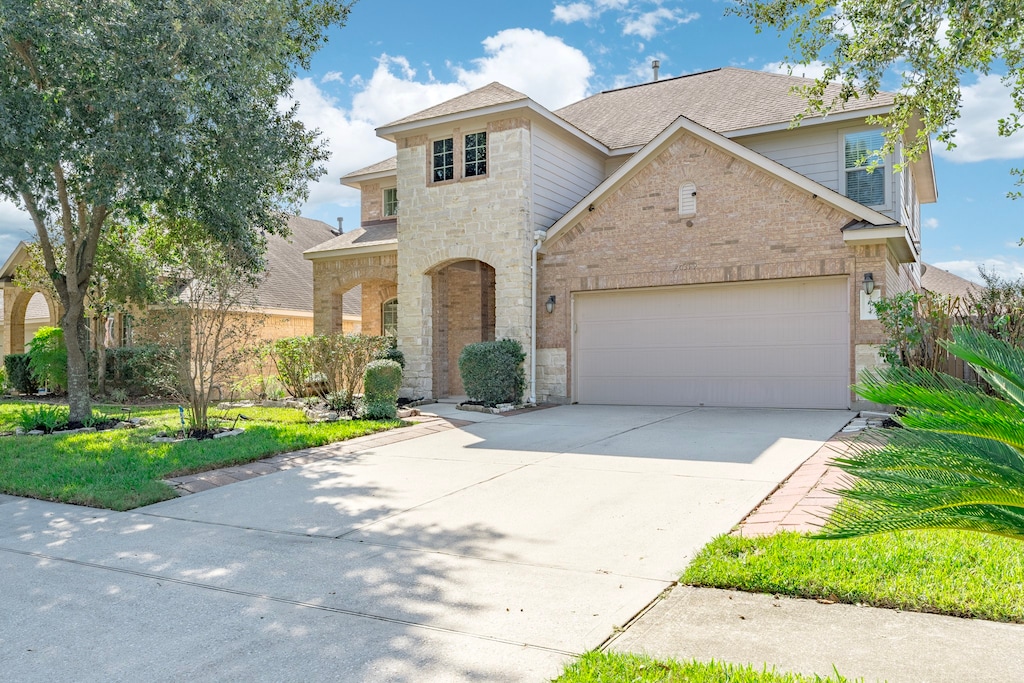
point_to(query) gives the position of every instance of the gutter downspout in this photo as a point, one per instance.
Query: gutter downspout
(538, 237)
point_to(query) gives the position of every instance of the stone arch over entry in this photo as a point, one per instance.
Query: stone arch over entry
(16, 304)
(376, 274)
(462, 313)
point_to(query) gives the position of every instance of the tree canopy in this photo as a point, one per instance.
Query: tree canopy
(933, 45)
(115, 107)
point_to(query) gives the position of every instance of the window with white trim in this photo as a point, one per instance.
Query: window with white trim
(389, 317)
(443, 163)
(865, 170)
(476, 155)
(391, 202)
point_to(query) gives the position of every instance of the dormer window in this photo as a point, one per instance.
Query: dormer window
(863, 185)
(444, 160)
(476, 154)
(390, 202)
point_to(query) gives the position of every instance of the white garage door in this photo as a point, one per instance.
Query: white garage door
(781, 344)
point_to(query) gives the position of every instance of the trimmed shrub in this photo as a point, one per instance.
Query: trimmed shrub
(492, 372)
(381, 382)
(48, 358)
(146, 369)
(19, 374)
(391, 352)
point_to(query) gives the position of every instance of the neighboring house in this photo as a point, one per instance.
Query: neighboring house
(941, 281)
(284, 298)
(692, 248)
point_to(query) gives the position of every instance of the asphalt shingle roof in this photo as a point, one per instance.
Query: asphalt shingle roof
(288, 281)
(389, 164)
(487, 96)
(368, 236)
(722, 100)
(944, 282)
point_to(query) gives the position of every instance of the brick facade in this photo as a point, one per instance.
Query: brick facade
(333, 277)
(748, 226)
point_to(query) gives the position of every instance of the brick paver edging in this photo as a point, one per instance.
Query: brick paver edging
(802, 502)
(211, 479)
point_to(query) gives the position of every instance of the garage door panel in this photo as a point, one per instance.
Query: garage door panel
(782, 343)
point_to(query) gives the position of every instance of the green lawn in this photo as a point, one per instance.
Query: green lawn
(121, 469)
(607, 667)
(947, 572)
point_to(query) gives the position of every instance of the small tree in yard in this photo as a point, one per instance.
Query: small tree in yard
(338, 363)
(207, 316)
(48, 358)
(112, 106)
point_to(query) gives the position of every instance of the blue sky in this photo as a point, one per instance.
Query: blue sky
(396, 57)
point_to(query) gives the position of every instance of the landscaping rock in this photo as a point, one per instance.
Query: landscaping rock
(407, 412)
(81, 430)
(314, 415)
(19, 431)
(231, 432)
(239, 404)
(294, 403)
(165, 439)
(274, 404)
(35, 432)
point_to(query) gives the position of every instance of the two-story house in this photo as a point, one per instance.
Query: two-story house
(671, 243)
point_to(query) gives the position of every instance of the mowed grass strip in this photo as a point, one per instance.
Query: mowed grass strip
(611, 667)
(957, 573)
(121, 469)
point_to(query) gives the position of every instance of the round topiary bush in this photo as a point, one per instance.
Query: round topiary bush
(381, 382)
(492, 372)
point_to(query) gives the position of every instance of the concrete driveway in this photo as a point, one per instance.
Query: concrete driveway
(491, 552)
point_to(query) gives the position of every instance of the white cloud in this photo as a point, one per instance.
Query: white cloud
(648, 24)
(332, 77)
(585, 11)
(573, 12)
(930, 223)
(969, 268)
(815, 69)
(393, 92)
(977, 134)
(538, 65)
(15, 226)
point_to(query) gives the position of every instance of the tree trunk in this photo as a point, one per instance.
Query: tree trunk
(76, 342)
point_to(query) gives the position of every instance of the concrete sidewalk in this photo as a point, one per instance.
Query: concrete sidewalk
(808, 637)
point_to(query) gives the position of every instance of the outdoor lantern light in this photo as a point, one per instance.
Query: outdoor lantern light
(550, 303)
(869, 283)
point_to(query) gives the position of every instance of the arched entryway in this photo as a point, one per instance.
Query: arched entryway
(463, 313)
(25, 311)
(358, 307)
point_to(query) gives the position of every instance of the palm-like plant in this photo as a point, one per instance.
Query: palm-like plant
(959, 461)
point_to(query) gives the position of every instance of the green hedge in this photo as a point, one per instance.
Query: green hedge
(381, 382)
(143, 370)
(492, 372)
(19, 374)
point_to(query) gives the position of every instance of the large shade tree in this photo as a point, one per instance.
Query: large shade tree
(109, 108)
(933, 46)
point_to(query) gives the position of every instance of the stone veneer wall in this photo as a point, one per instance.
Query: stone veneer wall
(486, 219)
(332, 277)
(749, 226)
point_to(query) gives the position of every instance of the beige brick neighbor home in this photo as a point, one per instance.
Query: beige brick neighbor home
(672, 243)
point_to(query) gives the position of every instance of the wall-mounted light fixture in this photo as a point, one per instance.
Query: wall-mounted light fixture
(550, 304)
(869, 283)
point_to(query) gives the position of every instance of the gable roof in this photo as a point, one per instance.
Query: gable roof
(369, 238)
(381, 169)
(487, 96)
(288, 282)
(872, 219)
(722, 100)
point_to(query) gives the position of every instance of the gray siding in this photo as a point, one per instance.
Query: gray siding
(563, 174)
(815, 152)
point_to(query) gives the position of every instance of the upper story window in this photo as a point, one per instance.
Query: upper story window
(868, 188)
(476, 154)
(444, 160)
(391, 202)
